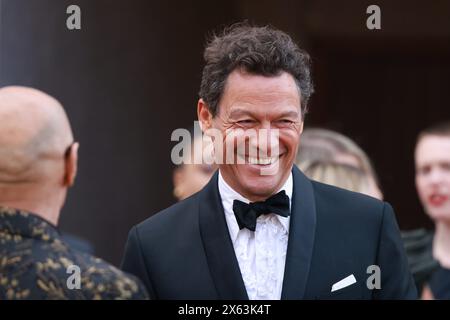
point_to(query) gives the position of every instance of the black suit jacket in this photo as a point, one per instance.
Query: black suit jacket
(185, 251)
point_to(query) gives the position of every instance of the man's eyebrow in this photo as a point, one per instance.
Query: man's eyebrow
(235, 113)
(289, 114)
(238, 112)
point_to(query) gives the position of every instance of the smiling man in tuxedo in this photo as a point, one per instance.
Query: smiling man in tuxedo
(260, 229)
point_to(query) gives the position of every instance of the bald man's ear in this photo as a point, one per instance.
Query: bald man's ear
(71, 165)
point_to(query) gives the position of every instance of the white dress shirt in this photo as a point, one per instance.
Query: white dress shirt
(261, 254)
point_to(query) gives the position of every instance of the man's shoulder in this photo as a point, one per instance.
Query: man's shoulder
(347, 204)
(344, 195)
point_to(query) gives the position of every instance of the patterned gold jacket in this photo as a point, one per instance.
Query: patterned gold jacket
(35, 263)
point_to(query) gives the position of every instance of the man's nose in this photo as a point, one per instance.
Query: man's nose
(268, 140)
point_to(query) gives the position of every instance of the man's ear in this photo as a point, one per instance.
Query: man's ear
(301, 127)
(71, 165)
(204, 115)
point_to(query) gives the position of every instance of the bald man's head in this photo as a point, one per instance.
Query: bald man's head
(38, 157)
(34, 133)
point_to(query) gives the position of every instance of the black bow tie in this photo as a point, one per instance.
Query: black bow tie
(246, 214)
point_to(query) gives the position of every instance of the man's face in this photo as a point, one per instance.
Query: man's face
(433, 176)
(269, 106)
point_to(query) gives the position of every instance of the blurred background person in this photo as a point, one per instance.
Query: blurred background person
(319, 146)
(432, 160)
(38, 164)
(190, 177)
(340, 175)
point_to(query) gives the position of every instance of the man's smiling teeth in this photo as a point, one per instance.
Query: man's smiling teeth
(257, 161)
(262, 161)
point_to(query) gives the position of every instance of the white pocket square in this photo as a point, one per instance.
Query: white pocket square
(343, 283)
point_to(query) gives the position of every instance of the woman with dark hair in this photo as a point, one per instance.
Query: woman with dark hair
(432, 158)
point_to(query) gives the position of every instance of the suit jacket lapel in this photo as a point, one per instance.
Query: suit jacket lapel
(301, 237)
(219, 250)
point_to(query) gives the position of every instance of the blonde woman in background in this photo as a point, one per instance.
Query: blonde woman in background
(340, 175)
(325, 150)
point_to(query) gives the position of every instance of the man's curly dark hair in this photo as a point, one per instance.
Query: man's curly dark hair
(257, 50)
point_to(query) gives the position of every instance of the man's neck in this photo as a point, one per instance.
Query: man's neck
(441, 244)
(46, 210)
(252, 198)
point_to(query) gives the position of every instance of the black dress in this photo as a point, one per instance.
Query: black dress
(440, 284)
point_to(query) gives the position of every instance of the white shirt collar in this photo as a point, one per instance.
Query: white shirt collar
(228, 195)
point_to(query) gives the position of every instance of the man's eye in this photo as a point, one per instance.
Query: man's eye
(247, 121)
(285, 121)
